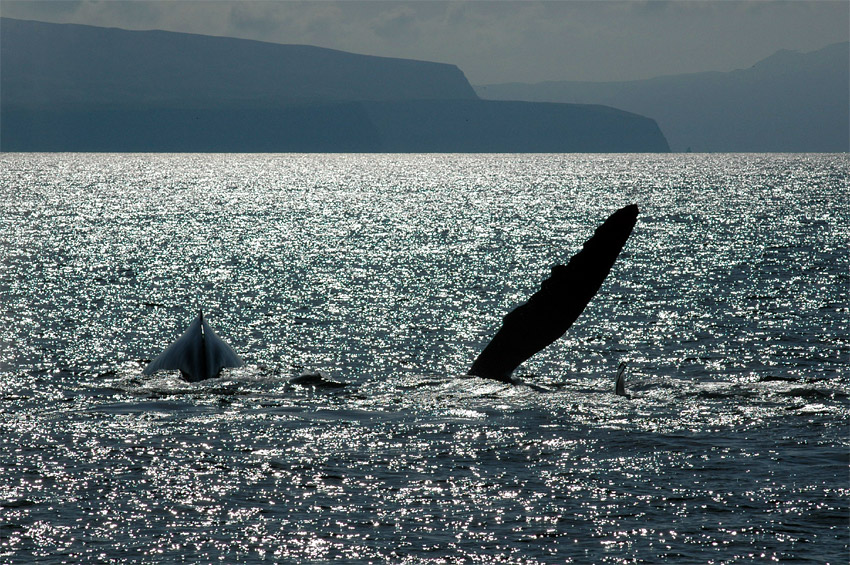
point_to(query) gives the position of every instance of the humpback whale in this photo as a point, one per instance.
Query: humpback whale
(620, 382)
(562, 297)
(198, 354)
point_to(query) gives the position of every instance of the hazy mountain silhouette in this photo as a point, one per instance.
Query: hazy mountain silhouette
(73, 66)
(790, 101)
(67, 87)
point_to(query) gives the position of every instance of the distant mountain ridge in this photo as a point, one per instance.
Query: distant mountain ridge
(66, 87)
(48, 63)
(788, 102)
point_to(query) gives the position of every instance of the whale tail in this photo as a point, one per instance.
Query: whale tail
(198, 354)
(561, 299)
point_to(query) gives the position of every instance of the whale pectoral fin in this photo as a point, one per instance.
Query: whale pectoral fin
(561, 299)
(620, 382)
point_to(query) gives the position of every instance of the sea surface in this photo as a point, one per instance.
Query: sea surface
(388, 274)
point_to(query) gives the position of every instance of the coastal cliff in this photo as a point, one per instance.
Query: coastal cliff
(67, 87)
(789, 102)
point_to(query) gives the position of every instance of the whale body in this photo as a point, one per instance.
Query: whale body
(562, 297)
(198, 354)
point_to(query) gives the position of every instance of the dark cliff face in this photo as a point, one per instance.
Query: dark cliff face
(489, 126)
(81, 88)
(73, 66)
(427, 126)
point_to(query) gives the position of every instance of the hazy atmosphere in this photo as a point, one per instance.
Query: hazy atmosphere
(424, 282)
(497, 41)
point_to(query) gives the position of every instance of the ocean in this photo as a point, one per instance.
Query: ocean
(380, 278)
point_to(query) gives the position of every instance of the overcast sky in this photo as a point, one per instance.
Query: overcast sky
(526, 41)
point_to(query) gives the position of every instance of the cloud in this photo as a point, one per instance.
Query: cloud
(254, 18)
(398, 23)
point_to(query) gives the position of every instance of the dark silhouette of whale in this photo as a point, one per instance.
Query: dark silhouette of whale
(561, 299)
(620, 382)
(198, 354)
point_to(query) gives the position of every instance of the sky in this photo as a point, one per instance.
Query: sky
(492, 42)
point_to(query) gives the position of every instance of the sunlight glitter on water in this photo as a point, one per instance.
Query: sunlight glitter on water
(388, 273)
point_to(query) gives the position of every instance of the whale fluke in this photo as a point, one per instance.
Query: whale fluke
(561, 299)
(198, 354)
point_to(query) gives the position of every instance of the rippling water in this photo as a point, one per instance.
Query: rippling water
(390, 273)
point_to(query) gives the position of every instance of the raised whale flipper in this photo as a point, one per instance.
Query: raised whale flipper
(198, 354)
(620, 381)
(561, 299)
